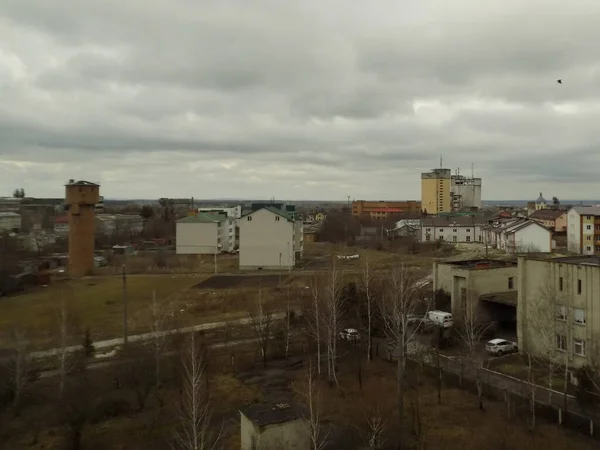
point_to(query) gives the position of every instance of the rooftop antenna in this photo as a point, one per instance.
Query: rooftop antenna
(441, 160)
(472, 170)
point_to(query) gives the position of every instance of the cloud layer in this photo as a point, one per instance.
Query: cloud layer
(298, 100)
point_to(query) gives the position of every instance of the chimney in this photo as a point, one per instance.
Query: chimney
(71, 181)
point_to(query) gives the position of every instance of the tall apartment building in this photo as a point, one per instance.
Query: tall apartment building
(442, 192)
(435, 191)
(583, 230)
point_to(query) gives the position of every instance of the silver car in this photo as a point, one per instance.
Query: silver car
(499, 347)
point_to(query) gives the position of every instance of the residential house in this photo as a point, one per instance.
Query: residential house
(126, 224)
(518, 235)
(553, 219)
(583, 230)
(10, 222)
(270, 238)
(61, 225)
(205, 233)
(490, 286)
(407, 227)
(454, 229)
(557, 313)
(278, 425)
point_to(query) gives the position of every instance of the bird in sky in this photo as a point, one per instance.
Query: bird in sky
(559, 81)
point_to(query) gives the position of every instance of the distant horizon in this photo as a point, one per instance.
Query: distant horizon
(331, 201)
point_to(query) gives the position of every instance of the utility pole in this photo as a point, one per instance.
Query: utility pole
(124, 306)
(215, 259)
(289, 258)
(279, 268)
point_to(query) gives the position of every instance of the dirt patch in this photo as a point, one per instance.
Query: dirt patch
(240, 281)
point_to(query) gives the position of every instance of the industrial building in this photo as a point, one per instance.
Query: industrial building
(557, 311)
(274, 426)
(384, 209)
(10, 222)
(81, 199)
(205, 233)
(442, 192)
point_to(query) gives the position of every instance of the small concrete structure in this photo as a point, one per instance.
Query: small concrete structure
(274, 426)
(479, 280)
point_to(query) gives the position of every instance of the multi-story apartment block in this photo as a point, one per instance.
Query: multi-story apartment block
(557, 309)
(384, 209)
(435, 191)
(583, 230)
(205, 233)
(235, 212)
(270, 238)
(451, 229)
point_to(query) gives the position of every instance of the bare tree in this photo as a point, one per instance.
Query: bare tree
(261, 323)
(398, 305)
(196, 431)
(288, 314)
(367, 288)
(313, 314)
(376, 425)
(310, 393)
(67, 360)
(333, 316)
(471, 330)
(18, 368)
(159, 337)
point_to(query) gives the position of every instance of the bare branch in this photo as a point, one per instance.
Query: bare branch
(261, 323)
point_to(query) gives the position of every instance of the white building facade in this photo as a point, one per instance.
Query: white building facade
(518, 235)
(234, 212)
(463, 229)
(9, 222)
(110, 224)
(204, 234)
(270, 239)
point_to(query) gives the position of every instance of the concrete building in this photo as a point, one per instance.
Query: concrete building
(435, 191)
(81, 199)
(274, 426)
(119, 224)
(270, 239)
(451, 229)
(554, 219)
(61, 225)
(490, 287)
(558, 314)
(205, 233)
(583, 230)
(465, 193)
(10, 222)
(518, 235)
(383, 209)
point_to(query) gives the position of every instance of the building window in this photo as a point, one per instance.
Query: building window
(588, 217)
(454, 230)
(468, 238)
(588, 238)
(480, 238)
(579, 347)
(428, 229)
(249, 218)
(579, 286)
(561, 312)
(588, 227)
(511, 282)
(588, 248)
(560, 283)
(276, 218)
(441, 230)
(579, 316)
(561, 342)
(454, 239)
(468, 230)
(428, 237)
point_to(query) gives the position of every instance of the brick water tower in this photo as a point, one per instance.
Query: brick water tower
(80, 200)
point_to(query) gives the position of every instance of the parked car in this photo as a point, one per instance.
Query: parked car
(442, 318)
(350, 334)
(499, 347)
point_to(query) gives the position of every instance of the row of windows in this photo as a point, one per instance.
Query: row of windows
(578, 345)
(441, 230)
(578, 314)
(276, 218)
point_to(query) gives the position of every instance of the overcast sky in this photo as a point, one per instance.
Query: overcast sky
(311, 99)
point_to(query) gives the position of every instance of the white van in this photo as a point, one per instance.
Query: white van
(441, 318)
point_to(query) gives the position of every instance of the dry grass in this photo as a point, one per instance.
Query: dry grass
(155, 263)
(455, 424)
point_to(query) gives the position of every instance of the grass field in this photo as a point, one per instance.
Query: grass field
(95, 303)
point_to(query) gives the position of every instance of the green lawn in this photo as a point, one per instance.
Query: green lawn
(95, 303)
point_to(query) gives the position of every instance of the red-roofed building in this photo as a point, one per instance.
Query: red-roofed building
(61, 225)
(383, 209)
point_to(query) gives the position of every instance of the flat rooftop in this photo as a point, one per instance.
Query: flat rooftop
(481, 264)
(585, 260)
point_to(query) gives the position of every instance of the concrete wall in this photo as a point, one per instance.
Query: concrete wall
(477, 282)
(587, 235)
(227, 233)
(293, 434)
(10, 222)
(299, 239)
(539, 296)
(469, 190)
(264, 236)
(196, 238)
(532, 238)
(452, 233)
